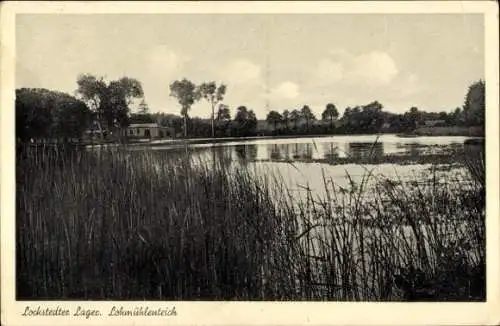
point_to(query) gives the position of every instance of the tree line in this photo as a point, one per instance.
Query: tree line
(365, 119)
(106, 106)
(42, 113)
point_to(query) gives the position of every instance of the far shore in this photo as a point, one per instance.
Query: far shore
(473, 132)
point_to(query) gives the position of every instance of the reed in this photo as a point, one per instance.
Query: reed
(137, 226)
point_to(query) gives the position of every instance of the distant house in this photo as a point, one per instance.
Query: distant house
(149, 130)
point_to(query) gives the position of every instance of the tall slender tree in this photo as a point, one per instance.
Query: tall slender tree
(295, 117)
(143, 107)
(286, 118)
(185, 92)
(213, 94)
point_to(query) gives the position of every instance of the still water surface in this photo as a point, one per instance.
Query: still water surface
(300, 162)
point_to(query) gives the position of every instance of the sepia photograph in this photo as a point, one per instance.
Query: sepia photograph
(261, 165)
(266, 156)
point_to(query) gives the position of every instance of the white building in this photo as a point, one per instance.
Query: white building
(149, 130)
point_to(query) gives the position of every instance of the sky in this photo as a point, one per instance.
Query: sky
(267, 61)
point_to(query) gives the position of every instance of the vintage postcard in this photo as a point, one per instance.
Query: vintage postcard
(249, 163)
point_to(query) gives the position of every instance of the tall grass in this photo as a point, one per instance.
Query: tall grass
(121, 225)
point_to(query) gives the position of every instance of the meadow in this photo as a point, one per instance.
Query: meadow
(117, 225)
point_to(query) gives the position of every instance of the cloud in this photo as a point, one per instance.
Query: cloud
(286, 90)
(157, 67)
(372, 69)
(242, 71)
(339, 53)
(329, 71)
(165, 60)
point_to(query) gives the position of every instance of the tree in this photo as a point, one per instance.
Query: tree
(142, 115)
(109, 101)
(251, 122)
(368, 118)
(71, 117)
(127, 88)
(213, 94)
(295, 117)
(371, 118)
(185, 92)
(307, 115)
(286, 118)
(114, 108)
(456, 117)
(41, 113)
(413, 117)
(122, 92)
(92, 90)
(142, 118)
(330, 113)
(351, 118)
(223, 113)
(33, 115)
(443, 116)
(143, 107)
(224, 119)
(474, 107)
(245, 121)
(347, 113)
(273, 118)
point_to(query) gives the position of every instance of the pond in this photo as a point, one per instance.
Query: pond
(343, 159)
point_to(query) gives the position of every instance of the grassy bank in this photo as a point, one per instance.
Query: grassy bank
(474, 131)
(131, 226)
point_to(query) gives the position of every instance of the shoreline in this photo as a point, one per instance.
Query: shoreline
(198, 141)
(223, 140)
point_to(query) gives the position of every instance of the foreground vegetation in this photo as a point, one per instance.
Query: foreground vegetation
(118, 225)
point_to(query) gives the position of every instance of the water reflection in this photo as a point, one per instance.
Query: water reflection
(335, 150)
(287, 152)
(331, 152)
(412, 149)
(303, 151)
(246, 153)
(338, 153)
(365, 152)
(274, 151)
